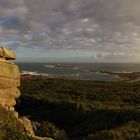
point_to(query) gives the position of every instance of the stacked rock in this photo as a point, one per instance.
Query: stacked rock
(9, 80)
(9, 83)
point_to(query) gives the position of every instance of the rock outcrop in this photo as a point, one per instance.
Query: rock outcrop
(9, 92)
(9, 81)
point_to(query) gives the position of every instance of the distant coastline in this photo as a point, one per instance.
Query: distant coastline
(130, 76)
(90, 71)
(126, 76)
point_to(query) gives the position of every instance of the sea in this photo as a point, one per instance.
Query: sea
(83, 71)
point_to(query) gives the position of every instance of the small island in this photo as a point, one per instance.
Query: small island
(64, 66)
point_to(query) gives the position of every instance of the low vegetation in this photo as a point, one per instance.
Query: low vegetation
(10, 127)
(77, 110)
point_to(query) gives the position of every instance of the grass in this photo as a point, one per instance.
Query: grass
(83, 109)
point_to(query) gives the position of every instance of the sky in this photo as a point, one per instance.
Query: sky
(71, 30)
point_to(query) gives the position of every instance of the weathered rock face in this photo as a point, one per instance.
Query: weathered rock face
(9, 81)
(7, 54)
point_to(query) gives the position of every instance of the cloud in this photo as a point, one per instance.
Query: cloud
(101, 26)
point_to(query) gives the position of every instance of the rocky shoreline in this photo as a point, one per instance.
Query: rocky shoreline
(127, 76)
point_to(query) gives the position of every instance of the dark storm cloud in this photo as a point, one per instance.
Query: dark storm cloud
(101, 26)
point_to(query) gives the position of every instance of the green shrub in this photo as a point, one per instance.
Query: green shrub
(102, 135)
(128, 131)
(83, 107)
(47, 129)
